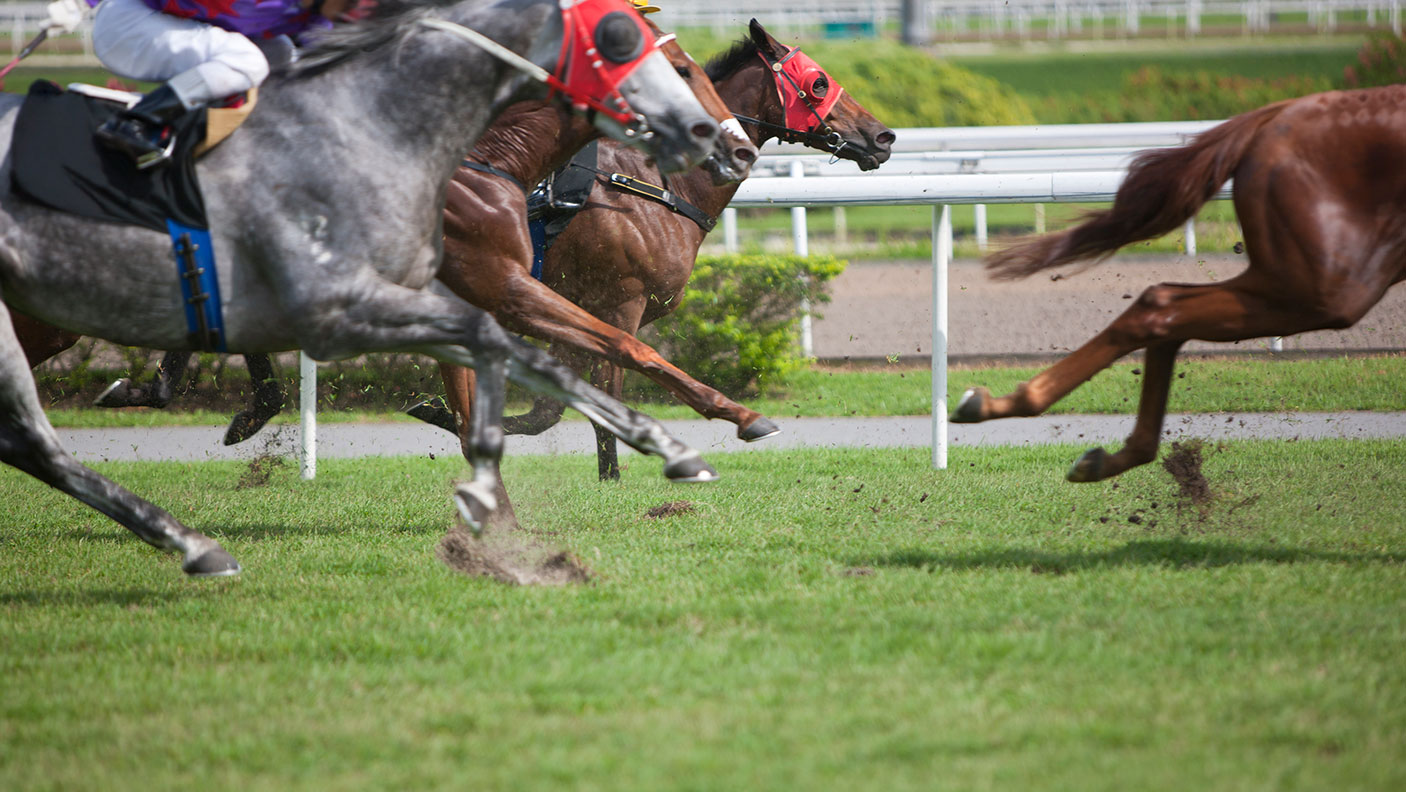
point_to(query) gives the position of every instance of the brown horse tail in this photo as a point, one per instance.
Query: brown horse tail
(1163, 189)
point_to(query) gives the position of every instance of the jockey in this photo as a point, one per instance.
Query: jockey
(202, 51)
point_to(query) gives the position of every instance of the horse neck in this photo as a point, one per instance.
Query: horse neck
(533, 139)
(746, 91)
(420, 103)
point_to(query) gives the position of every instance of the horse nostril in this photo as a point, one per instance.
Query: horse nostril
(885, 138)
(703, 129)
(748, 154)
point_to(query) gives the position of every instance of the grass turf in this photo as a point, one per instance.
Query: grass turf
(817, 620)
(1203, 385)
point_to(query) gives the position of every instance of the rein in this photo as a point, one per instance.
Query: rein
(827, 139)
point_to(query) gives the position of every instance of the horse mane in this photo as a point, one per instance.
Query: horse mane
(741, 53)
(388, 22)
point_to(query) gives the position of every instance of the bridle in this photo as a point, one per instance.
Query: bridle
(602, 43)
(789, 71)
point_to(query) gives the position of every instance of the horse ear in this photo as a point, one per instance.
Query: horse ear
(762, 39)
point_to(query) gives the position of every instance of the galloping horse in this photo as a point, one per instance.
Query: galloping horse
(626, 259)
(325, 218)
(1320, 191)
(541, 132)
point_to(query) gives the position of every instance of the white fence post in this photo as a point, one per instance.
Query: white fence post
(1189, 231)
(941, 259)
(800, 238)
(730, 230)
(979, 218)
(307, 409)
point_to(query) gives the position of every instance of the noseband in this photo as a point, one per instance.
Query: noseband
(599, 50)
(797, 107)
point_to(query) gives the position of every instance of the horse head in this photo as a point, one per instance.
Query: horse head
(733, 153)
(612, 67)
(798, 101)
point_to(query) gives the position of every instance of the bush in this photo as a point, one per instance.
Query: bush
(1381, 61)
(738, 325)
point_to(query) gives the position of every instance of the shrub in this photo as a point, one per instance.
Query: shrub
(738, 325)
(1381, 61)
(1151, 93)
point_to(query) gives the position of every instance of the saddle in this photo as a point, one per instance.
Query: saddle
(554, 203)
(56, 163)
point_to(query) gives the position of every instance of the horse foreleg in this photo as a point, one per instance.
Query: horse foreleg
(607, 377)
(28, 442)
(482, 442)
(534, 309)
(156, 393)
(1141, 446)
(268, 401)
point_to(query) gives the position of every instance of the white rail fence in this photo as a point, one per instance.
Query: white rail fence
(1080, 163)
(1047, 19)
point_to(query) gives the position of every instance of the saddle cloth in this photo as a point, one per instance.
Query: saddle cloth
(57, 163)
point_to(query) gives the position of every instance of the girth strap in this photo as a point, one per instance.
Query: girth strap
(489, 169)
(666, 197)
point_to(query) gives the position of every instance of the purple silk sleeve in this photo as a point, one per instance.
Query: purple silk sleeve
(253, 18)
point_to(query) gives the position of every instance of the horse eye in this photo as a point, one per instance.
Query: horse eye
(683, 72)
(820, 87)
(618, 38)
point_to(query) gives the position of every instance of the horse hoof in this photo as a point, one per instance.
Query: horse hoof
(690, 469)
(242, 427)
(115, 395)
(433, 412)
(214, 562)
(759, 429)
(475, 504)
(970, 407)
(1088, 467)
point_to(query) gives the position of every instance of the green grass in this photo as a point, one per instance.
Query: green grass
(1203, 385)
(821, 620)
(1046, 74)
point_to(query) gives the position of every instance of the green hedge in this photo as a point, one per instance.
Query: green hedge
(738, 325)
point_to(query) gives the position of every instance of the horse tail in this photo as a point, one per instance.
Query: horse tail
(1163, 189)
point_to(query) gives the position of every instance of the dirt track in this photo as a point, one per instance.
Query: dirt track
(884, 308)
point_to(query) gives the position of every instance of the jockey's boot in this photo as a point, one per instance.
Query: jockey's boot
(143, 131)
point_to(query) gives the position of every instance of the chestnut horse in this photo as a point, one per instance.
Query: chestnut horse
(1320, 191)
(625, 258)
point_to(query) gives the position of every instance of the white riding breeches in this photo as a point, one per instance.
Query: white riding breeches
(201, 62)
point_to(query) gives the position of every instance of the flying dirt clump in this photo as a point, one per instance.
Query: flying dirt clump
(507, 553)
(1184, 463)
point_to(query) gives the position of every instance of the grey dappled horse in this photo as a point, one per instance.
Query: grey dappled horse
(325, 214)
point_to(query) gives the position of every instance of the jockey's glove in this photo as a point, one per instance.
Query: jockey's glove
(65, 15)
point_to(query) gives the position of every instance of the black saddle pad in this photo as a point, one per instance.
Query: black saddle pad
(56, 162)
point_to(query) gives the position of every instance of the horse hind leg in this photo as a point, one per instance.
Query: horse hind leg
(1162, 319)
(28, 442)
(155, 393)
(268, 401)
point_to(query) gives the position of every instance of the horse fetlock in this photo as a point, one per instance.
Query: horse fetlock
(118, 394)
